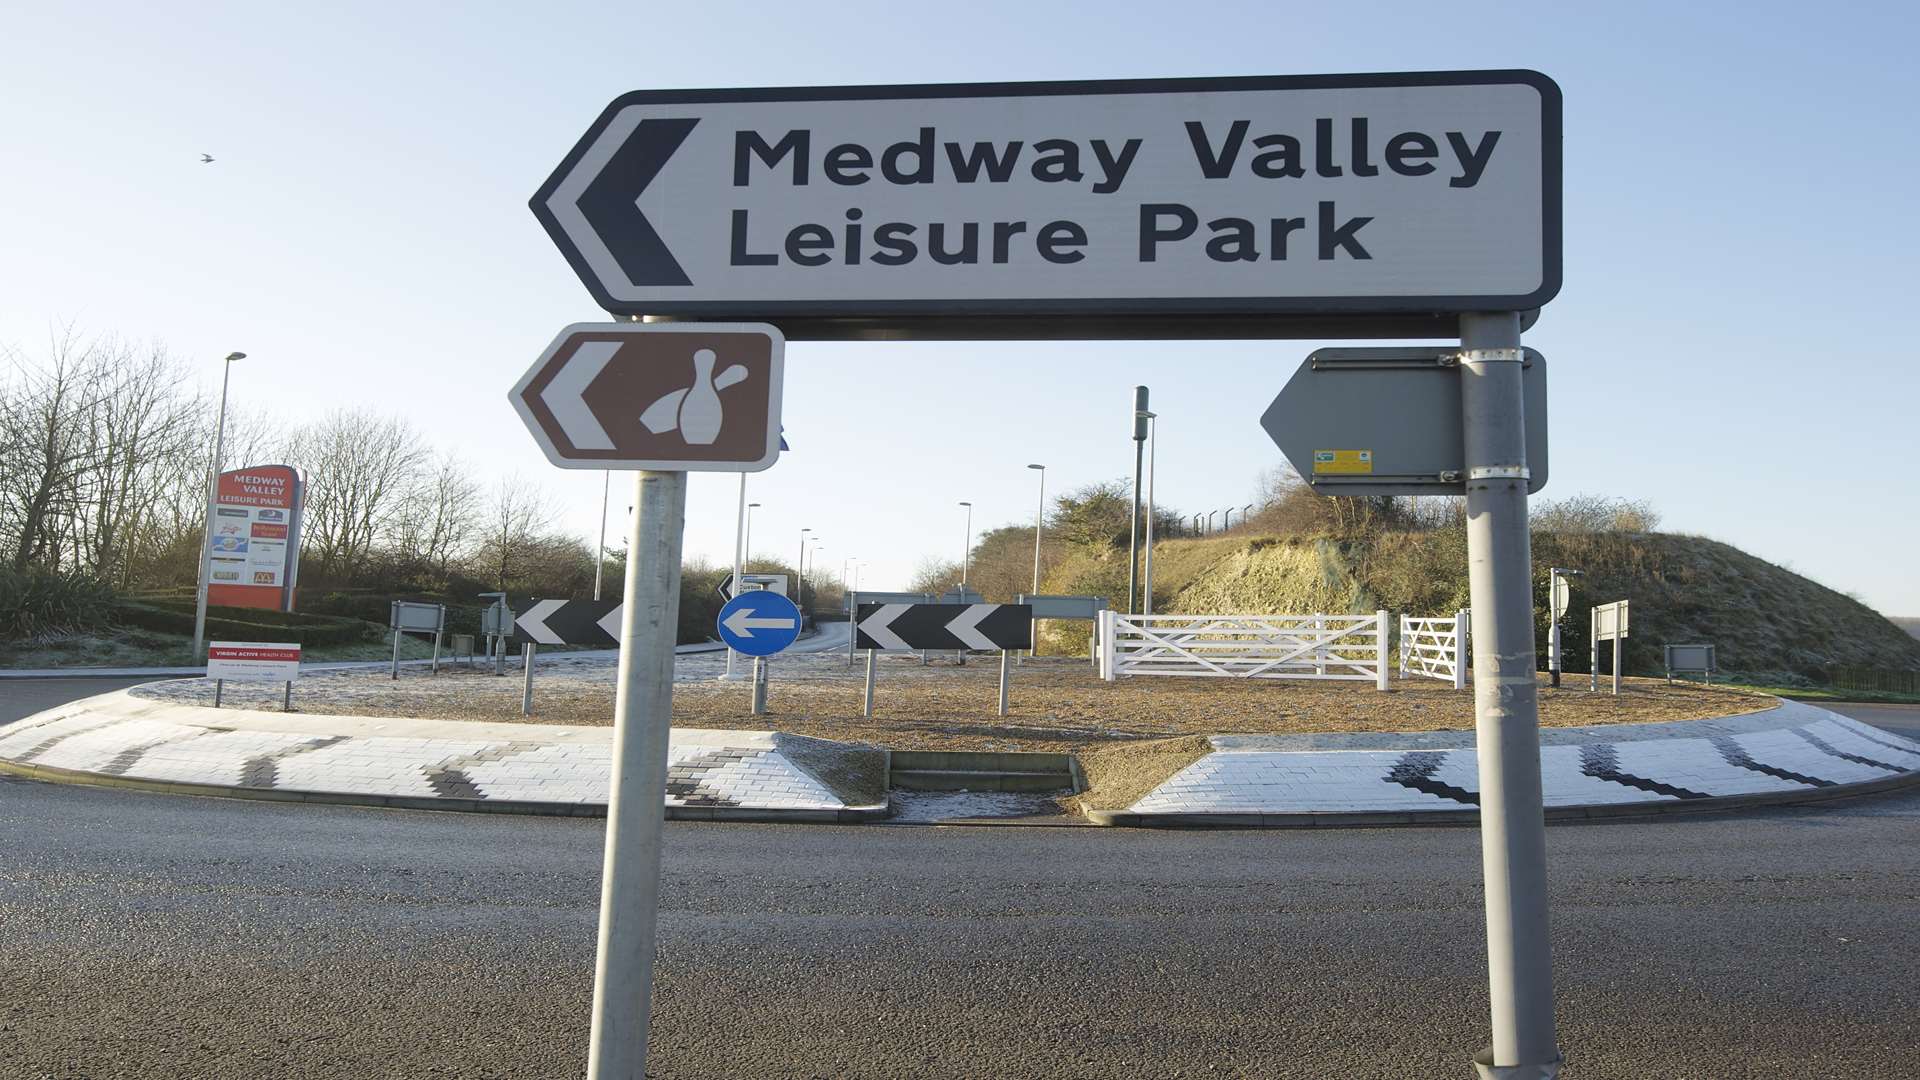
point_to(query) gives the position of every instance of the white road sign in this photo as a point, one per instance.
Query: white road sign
(1245, 198)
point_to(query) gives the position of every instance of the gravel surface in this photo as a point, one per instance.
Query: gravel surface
(1056, 704)
(167, 938)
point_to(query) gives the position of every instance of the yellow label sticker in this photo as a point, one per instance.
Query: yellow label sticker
(1348, 462)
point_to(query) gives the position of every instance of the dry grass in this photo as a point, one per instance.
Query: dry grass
(1056, 704)
(1061, 705)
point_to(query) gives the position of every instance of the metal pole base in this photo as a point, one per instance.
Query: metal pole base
(1485, 1069)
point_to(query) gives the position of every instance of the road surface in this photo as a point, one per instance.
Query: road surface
(163, 936)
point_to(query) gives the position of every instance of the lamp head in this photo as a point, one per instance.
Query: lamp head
(232, 356)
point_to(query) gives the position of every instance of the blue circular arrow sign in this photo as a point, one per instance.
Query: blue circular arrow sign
(759, 623)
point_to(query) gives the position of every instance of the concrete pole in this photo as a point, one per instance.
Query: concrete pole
(600, 552)
(739, 557)
(1039, 527)
(800, 570)
(1146, 585)
(636, 806)
(527, 653)
(867, 708)
(966, 550)
(1003, 681)
(206, 533)
(1513, 833)
(1133, 522)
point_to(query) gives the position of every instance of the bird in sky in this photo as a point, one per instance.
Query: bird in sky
(206, 159)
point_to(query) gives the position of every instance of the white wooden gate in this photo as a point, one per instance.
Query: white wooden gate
(1436, 648)
(1343, 647)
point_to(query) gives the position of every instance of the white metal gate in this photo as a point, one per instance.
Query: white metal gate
(1344, 647)
(1436, 648)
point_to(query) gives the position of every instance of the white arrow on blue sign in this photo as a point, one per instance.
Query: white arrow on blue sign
(759, 623)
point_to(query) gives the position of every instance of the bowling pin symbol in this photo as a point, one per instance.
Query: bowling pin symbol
(695, 411)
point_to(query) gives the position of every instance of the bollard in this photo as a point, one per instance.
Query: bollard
(527, 653)
(867, 710)
(1003, 682)
(1380, 650)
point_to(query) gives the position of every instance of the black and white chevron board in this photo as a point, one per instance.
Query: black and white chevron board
(905, 627)
(568, 622)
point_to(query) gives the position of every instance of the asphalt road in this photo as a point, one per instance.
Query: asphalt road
(164, 936)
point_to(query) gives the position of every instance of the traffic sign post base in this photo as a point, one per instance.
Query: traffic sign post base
(636, 808)
(759, 686)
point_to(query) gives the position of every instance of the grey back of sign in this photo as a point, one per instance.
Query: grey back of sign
(1403, 406)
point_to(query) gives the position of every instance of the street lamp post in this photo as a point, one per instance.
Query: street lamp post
(1133, 522)
(600, 551)
(966, 549)
(1146, 590)
(213, 491)
(739, 563)
(1039, 524)
(800, 572)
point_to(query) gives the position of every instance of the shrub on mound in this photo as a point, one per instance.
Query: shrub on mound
(242, 624)
(39, 603)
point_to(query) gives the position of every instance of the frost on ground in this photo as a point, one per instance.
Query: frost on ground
(914, 807)
(1055, 703)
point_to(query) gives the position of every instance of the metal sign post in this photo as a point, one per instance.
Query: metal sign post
(636, 807)
(883, 212)
(1513, 833)
(708, 400)
(1559, 594)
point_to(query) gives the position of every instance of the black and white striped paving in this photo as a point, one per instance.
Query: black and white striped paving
(122, 735)
(1793, 748)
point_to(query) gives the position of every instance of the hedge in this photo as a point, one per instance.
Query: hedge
(313, 632)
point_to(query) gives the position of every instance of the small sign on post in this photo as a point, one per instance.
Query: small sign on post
(253, 661)
(907, 627)
(408, 617)
(1609, 624)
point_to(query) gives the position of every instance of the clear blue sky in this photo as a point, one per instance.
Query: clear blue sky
(1739, 243)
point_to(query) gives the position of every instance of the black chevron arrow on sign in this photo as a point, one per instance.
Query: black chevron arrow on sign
(568, 622)
(608, 203)
(984, 627)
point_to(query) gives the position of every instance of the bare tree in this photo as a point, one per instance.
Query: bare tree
(510, 536)
(46, 443)
(359, 466)
(146, 431)
(440, 519)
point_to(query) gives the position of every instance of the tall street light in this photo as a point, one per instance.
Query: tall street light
(1146, 591)
(213, 490)
(966, 550)
(1039, 524)
(800, 569)
(746, 542)
(1133, 522)
(600, 551)
(739, 563)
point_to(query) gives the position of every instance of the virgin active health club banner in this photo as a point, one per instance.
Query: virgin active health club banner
(255, 561)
